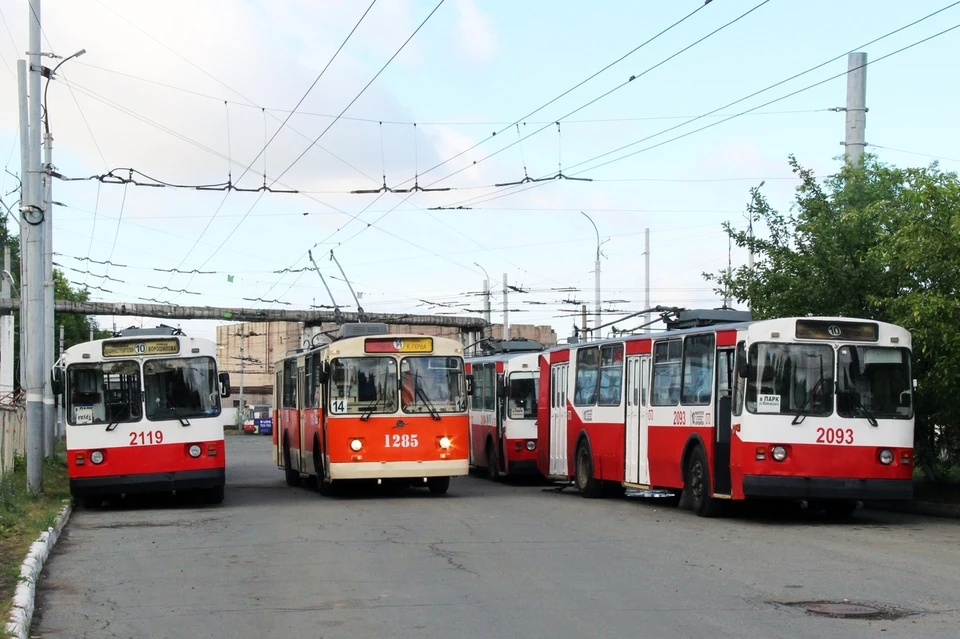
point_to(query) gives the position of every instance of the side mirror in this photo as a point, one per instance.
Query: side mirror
(323, 373)
(501, 386)
(56, 381)
(743, 368)
(224, 384)
(469, 383)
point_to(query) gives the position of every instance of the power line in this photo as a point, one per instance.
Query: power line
(926, 155)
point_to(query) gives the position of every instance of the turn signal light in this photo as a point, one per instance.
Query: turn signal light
(761, 453)
(905, 457)
(80, 459)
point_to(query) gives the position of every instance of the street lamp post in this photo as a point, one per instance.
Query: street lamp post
(486, 293)
(596, 281)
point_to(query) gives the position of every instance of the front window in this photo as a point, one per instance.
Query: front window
(523, 395)
(431, 384)
(874, 382)
(181, 388)
(363, 385)
(107, 393)
(790, 379)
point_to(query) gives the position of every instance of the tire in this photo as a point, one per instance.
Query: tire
(698, 482)
(493, 463)
(587, 485)
(324, 487)
(213, 496)
(292, 476)
(438, 485)
(92, 502)
(839, 509)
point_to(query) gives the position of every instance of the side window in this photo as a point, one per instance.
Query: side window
(739, 382)
(611, 374)
(644, 380)
(490, 386)
(666, 373)
(290, 383)
(553, 388)
(585, 392)
(698, 352)
(308, 382)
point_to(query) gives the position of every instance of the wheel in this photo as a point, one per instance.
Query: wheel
(213, 495)
(438, 485)
(493, 464)
(698, 482)
(325, 488)
(839, 509)
(586, 484)
(614, 489)
(292, 476)
(92, 502)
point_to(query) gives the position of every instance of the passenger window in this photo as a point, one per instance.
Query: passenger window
(698, 352)
(611, 374)
(666, 373)
(585, 392)
(739, 382)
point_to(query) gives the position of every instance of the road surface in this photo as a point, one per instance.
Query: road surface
(486, 560)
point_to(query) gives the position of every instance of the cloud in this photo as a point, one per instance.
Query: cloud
(475, 35)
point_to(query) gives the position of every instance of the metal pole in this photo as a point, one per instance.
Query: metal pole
(856, 108)
(596, 282)
(60, 430)
(506, 323)
(241, 377)
(486, 301)
(49, 402)
(646, 276)
(24, 227)
(583, 313)
(6, 335)
(34, 328)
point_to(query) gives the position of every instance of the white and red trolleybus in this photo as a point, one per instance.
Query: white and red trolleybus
(142, 413)
(503, 413)
(814, 408)
(372, 406)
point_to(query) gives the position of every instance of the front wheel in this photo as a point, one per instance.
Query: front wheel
(698, 483)
(438, 485)
(292, 476)
(493, 464)
(587, 485)
(213, 496)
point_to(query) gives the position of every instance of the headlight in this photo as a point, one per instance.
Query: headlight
(531, 444)
(194, 450)
(444, 442)
(886, 457)
(96, 457)
(779, 453)
(356, 445)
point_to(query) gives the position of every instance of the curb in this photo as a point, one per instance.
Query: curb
(21, 615)
(927, 508)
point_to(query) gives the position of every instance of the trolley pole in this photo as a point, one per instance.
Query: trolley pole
(34, 212)
(855, 139)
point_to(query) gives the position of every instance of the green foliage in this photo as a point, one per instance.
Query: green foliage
(878, 242)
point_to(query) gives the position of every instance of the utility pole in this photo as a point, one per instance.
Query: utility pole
(486, 294)
(60, 429)
(646, 277)
(6, 334)
(506, 319)
(583, 315)
(241, 376)
(34, 212)
(855, 139)
(726, 292)
(24, 226)
(49, 402)
(596, 283)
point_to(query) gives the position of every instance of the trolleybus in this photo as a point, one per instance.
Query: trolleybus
(503, 413)
(372, 406)
(813, 408)
(142, 413)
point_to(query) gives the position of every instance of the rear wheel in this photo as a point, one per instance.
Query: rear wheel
(213, 495)
(587, 485)
(438, 485)
(493, 463)
(324, 487)
(292, 476)
(698, 483)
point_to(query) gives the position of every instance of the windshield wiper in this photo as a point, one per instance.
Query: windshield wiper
(367, 413)
(802, 414)
(856, 402)
(176, 411)
(433, 411)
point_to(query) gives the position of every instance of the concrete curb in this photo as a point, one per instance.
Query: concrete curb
(927, 508)
(21, 615)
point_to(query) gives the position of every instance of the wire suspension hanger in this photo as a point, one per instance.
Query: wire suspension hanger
(416, 171)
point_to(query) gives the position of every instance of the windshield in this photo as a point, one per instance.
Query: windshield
(106, 393)
(435, 382)
(874, 382)
(522, 397)
(181, 388)
(363, 384)
(789, 378)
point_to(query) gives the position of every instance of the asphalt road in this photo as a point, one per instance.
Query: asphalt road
(486, 560)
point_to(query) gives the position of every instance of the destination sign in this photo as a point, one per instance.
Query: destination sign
(141, 348)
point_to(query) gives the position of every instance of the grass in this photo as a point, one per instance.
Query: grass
(23, 517)
(946, 491)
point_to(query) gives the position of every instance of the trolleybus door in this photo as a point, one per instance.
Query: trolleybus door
(558, 420)
(723, 409)
(637, 469)
(301, 388)
(278, 420)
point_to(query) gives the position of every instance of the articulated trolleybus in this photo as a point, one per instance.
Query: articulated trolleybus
(374, 406)
(815, 409)
(142, 412)
(503, 413)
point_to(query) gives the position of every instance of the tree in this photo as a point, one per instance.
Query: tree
(878, 242)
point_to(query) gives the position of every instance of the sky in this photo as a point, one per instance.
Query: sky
(193, 92)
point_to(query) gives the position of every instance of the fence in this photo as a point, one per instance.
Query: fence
(13, 436)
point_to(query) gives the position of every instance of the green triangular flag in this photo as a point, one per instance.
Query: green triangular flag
(229, 278)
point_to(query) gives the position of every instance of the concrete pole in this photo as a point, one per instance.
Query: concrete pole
(34, 328)
(583, 314)
(506, 322)
(241, 377)
(6, 336)
(486, 300)
(60, 429)
(49, 402)
(596, 282)
(24, 226)
(856, 124)
(646, 277)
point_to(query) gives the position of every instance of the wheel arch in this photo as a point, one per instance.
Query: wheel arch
(693, 441)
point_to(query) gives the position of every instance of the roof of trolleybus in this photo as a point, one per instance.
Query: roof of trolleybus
(153, 346)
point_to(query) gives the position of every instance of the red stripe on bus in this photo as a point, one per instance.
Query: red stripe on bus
(136, 460)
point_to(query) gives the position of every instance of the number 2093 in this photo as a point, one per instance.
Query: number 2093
(834, 435)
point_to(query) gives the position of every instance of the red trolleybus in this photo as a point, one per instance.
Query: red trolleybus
(142, 412)
(815, 408)
(372, 406)
(503, 413)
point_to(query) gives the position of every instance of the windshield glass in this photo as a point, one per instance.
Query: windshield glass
(181, 388)
(106, 393)
(523, 396)
(363, 384)
(874, 381)
(790, 378)
(432, 381)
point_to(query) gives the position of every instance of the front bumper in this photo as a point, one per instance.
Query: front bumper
(827, 488)
(147, 482)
